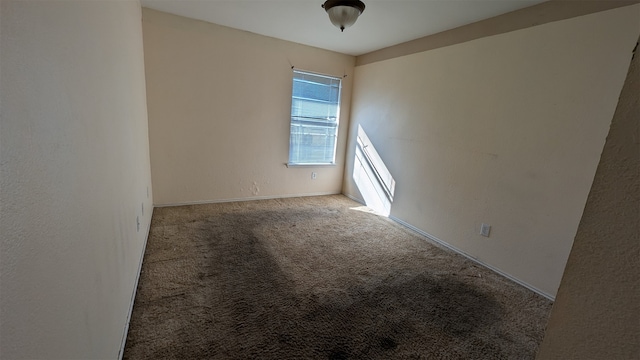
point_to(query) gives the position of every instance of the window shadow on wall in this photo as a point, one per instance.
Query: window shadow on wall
(373, 179)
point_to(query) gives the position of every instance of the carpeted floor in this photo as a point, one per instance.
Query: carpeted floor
(318, 278)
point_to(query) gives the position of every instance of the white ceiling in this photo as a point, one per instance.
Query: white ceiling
(383, 23)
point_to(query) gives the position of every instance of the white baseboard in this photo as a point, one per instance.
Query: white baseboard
(252, 198)
(355, 199)
(456, 250)
(135, 290)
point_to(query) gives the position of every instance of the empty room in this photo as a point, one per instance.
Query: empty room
(235, 179)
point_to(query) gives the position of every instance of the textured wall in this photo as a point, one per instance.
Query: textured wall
(505, 130)
(597, 312)
(74, 173)
(219, 110)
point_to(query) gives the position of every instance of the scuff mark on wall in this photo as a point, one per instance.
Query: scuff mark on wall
(255, 189)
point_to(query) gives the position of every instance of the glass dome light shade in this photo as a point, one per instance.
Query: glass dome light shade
(343, 13)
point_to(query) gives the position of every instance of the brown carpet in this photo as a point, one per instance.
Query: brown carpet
(314, 278)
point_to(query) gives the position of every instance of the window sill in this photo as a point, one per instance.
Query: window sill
(308, 165)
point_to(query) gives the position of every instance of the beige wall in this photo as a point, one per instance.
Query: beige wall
(219, 104)
(541, 13)
(505, 130)
(597, 312)
(74, 172)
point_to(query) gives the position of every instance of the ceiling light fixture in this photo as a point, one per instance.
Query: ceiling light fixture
(343, 13)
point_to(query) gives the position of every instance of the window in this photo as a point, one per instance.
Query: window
(315, 106)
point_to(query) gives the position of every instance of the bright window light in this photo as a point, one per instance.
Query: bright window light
(315, 106)
(373, 179)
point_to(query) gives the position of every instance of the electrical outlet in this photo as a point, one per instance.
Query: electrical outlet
(485, 229)
(314, 175)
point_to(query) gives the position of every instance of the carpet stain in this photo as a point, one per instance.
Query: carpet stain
(311, 279)
(387, 343)
(338, 355)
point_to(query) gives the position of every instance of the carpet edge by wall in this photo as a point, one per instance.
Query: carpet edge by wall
(251, 198)
(443, 243)
(135, 290)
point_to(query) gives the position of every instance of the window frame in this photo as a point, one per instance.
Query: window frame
(290, 163)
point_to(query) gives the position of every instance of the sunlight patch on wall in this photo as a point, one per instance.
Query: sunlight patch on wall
(372, 177)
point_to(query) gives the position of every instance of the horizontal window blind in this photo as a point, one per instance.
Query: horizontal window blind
(315, 106)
